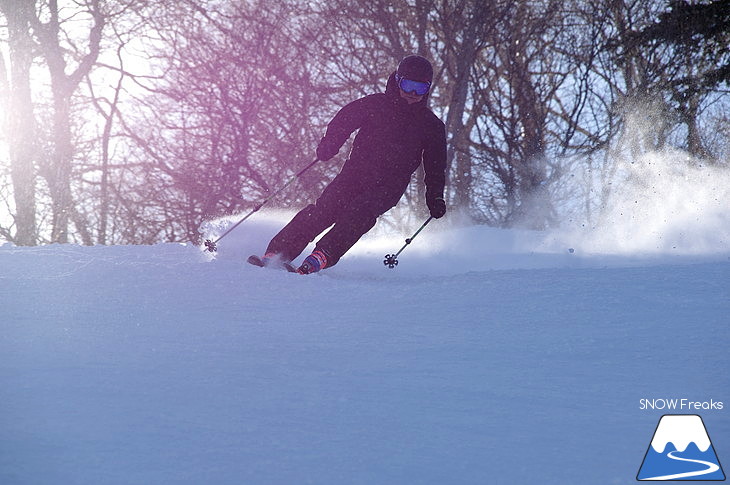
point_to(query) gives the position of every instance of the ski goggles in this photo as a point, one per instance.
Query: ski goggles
(409, 86)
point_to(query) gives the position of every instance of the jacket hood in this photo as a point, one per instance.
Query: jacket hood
(391, 89)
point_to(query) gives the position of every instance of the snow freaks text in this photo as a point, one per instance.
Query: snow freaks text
(680, 405)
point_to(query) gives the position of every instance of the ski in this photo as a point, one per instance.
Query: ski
(257, 261)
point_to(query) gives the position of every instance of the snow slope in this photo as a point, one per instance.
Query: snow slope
(486, 356)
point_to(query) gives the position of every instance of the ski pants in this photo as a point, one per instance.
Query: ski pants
(350, 209)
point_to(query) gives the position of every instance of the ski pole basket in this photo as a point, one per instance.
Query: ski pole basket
(391, 260)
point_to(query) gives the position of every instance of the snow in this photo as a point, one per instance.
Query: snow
(486, 356)
(680, 430)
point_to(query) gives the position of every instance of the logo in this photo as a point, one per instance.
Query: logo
(681, 450)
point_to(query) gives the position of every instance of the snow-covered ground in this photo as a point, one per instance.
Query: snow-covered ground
(486, 356)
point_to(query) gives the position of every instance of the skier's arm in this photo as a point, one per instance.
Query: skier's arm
(347, 120)
(434, 166)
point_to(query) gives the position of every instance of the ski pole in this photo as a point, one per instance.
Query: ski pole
(212, 245)
(391, 260)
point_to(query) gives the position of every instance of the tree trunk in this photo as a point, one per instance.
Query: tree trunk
(19, 122)
(458, 148)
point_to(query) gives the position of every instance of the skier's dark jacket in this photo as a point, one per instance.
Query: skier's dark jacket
(394, 139)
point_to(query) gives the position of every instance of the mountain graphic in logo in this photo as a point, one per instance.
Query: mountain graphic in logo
(681, 450)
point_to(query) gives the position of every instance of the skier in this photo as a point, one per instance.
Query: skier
(397, 132)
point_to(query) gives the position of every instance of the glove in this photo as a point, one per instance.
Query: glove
(326, 149)
(437, 207)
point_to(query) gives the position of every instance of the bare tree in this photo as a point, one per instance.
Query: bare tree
(108, 110)
(46, 24)
(228, 122)
(465, 29)
(529, 91)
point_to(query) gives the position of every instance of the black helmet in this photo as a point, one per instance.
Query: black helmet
(416, 68)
